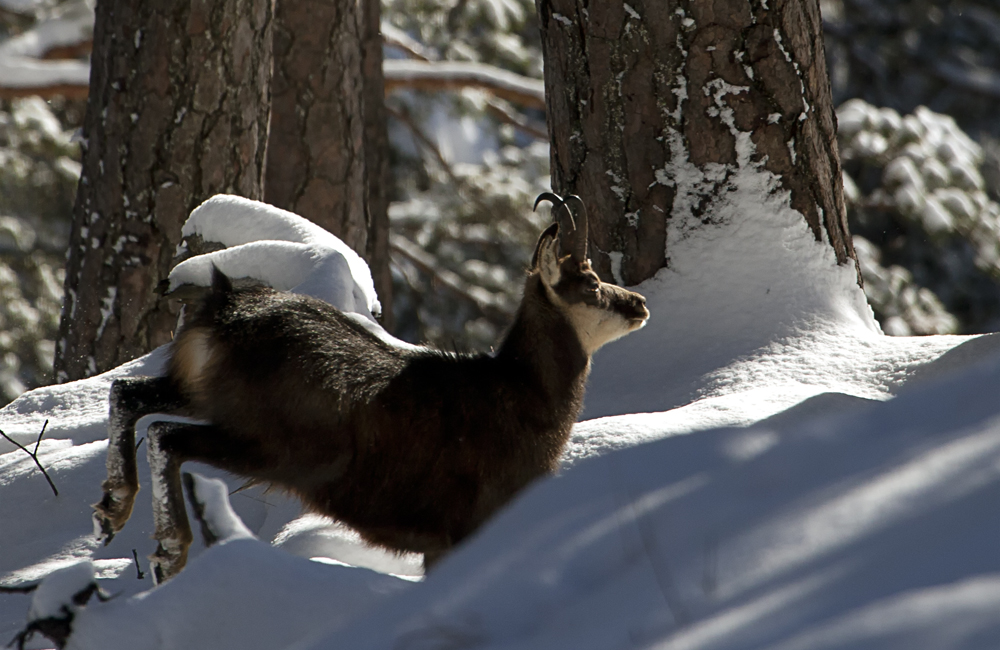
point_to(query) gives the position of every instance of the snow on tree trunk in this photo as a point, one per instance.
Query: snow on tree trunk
(637, 91)
(177, 112)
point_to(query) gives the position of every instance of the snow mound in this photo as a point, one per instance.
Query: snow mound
(869, 527)
(280, 248)
(54, 597)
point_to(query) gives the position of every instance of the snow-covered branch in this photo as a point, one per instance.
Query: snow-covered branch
(24, 70)
(22, 75)
(411, 47)
(450, 75)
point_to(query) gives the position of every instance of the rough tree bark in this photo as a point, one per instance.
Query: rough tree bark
(378, 176)
(177, 112)
(327, 124)
(621, 77)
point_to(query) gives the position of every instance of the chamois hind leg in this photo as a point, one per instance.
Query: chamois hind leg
(170, 445)
(130, 399)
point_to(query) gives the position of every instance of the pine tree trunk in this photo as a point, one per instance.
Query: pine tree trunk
(325, 160)
(379, 179)
(177, 112)
(620, 78)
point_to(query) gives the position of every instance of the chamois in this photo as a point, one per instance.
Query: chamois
(413, 447)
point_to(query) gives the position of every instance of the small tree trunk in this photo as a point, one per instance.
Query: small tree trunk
(328, 125)
(316, 157)
(177, 112)
(622, 78)
(379, 178)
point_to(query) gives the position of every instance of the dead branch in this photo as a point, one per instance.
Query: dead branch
(34, 454)
(69, 51)
(426, 143)
(451, 281)
(503, 111)
(457, 182)
(69, 91)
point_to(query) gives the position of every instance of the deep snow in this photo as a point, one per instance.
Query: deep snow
(830, 512)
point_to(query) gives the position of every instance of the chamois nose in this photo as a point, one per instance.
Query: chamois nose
(639, 306)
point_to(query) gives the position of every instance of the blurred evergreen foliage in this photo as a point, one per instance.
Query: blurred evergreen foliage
(919, 84)
(39, 170)
(922, 183)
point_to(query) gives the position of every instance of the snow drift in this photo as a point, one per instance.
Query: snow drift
(824, 514)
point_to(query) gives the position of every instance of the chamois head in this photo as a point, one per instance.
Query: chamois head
(599, 312)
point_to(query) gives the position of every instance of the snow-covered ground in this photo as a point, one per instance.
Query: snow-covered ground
(837, 488)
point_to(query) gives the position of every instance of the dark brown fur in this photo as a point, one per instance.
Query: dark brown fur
(415, 448)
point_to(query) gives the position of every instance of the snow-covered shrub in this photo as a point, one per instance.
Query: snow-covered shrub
(926, 231)
(38, 176)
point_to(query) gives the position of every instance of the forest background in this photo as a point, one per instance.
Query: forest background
(917, 84)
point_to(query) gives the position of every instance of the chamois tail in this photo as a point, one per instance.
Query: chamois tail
(216, 298)
(221, 284)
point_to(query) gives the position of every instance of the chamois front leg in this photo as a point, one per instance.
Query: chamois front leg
(130, 399)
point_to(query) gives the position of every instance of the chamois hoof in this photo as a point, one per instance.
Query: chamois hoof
(110, 515)
(104, 530)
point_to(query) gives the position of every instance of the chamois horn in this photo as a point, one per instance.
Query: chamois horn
(582, 237)
(569, 235)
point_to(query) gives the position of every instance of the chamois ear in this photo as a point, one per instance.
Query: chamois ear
(546, 257)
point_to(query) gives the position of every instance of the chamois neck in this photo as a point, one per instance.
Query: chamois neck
(543, 339)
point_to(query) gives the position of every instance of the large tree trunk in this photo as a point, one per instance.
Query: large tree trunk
(625, 81)
(177, 112)
(325, 129)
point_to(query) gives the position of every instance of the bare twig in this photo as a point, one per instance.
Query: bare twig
(139, 575)
(58, 628)
(503, 111)
(39, 441)
(661, 571)
(34, 455)
(457, 182)
(977, 80)
(417, 73)
(426, 143)
(447, 279)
